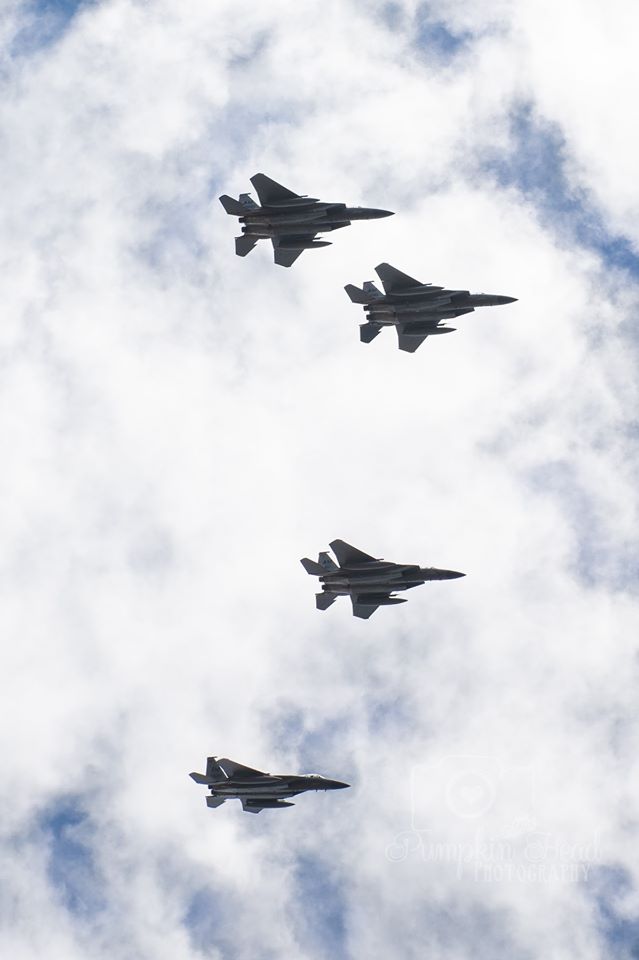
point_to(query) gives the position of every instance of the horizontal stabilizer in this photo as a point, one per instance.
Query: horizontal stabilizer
(311, 567)
(199, 778)
(356, 294)
(234, 207)
(214, 801)
(244, 245)
(368, 331)
(324, 600)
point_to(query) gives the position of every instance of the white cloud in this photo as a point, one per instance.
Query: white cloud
(180, 425)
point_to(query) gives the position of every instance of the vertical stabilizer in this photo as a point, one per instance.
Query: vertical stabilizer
(371, 292)
(247, 202)
(214, 772)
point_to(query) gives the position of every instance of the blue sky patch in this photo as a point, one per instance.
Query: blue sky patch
(535, 164)
(72, 869)
(598, 560)
(388, 714)
(314, 740)
(434, 36)
(429, 34)
(204, 920)
(47, 21)
(321, 921)
(620, 932)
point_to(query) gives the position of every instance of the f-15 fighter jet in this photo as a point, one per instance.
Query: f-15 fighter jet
(370, 582)
(228, 780)
(415, 309)
(290, 221)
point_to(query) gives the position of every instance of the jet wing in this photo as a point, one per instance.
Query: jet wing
(394, 280)
(410, 341)
(236, 771)
(286, 257)
(362, 609)
(346, 554)
(269, 191)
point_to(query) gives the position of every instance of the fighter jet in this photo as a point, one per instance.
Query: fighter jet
(228, 780)
(289, 220)
(370, 582)
(415, 309)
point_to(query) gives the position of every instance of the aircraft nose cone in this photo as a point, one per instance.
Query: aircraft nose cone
(374, 214)
(336, 785)
(490, 299)
(452, 574)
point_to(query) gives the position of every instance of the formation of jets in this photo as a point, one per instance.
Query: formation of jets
(417, 310)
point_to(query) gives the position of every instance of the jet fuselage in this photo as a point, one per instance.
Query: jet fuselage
(417, 310)
(429, 307)
(257, 790)
(289, 220)
(266, 223)
(272, 786)
(375, 578)
(370, 582)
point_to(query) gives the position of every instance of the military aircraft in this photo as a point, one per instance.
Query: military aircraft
(415, 309)
(369, 581)
(228, 780)
(289, 220)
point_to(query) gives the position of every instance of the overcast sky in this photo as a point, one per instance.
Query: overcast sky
(178, 426)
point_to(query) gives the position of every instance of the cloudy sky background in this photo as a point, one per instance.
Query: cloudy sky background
(178, 426)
